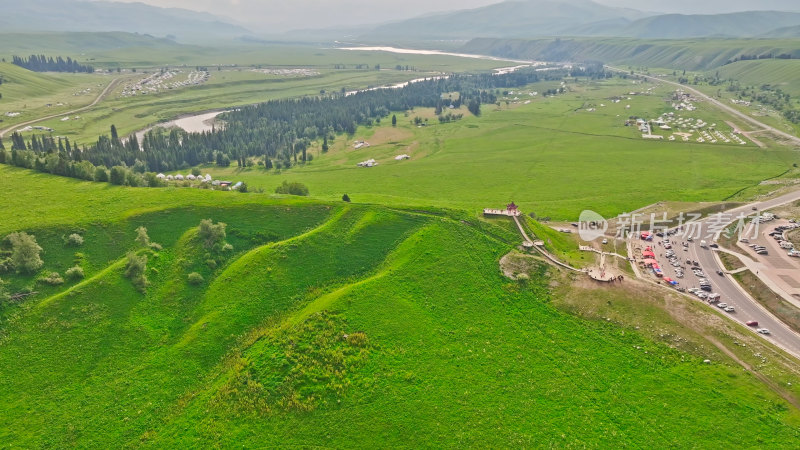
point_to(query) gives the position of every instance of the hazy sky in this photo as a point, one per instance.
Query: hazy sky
(265, 16)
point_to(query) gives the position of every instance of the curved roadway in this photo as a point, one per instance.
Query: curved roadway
(731, 293)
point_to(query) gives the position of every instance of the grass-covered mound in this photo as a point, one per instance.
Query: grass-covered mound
(341, 326)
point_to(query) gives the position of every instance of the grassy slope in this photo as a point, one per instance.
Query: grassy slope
(776, 72)
(452, 357)
(450, 348)
(28, 93)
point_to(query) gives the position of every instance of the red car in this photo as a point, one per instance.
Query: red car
(752, 323)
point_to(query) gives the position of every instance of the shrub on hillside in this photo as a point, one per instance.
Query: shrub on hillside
(212, 235)
(294, 188)
(195, 279)
(53, 279)
(101, 174)
(75, 240)
(74, 273)
(6, 265)
(142, 238)
(25, 252)
(117, 175)
(135, 270)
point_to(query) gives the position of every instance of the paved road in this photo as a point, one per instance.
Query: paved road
(100, 97)
(746, 307)
(733, 111)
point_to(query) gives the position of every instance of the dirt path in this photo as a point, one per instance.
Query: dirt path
(747, 134)
(100, 97)
(772, 385)
(793, 139)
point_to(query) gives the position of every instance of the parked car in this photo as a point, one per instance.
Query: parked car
(730, 309)
(719, 272)
(763, 330)
(752, 323)
(722, 305)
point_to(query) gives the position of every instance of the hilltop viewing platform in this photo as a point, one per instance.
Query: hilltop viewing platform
(511, 210)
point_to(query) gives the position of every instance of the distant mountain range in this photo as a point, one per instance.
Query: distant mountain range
(510, 19)
(516, 18)
(96, 16)
(540, 18)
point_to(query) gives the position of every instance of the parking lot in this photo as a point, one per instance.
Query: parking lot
(771, 252)
(667, 257)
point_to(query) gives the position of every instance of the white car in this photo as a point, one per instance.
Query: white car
(763, 330)
(722, 305)
(730, 309)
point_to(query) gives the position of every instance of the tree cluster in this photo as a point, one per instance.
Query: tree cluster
(41, 63)
(279, 131)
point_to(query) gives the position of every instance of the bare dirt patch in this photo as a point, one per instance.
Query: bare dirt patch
(517, 266)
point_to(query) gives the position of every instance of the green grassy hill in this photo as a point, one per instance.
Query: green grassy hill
(784, 74)
(682, 26)
(694, 54)
(19, 83)
(79, 42)
(335, 325)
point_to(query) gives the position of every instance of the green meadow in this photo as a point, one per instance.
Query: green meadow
(552, 156)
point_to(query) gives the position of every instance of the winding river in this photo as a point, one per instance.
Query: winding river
(197, 123)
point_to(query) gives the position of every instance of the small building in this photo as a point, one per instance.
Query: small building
(179, 177)
(191, 177)
(170, 177)
(161, 176)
